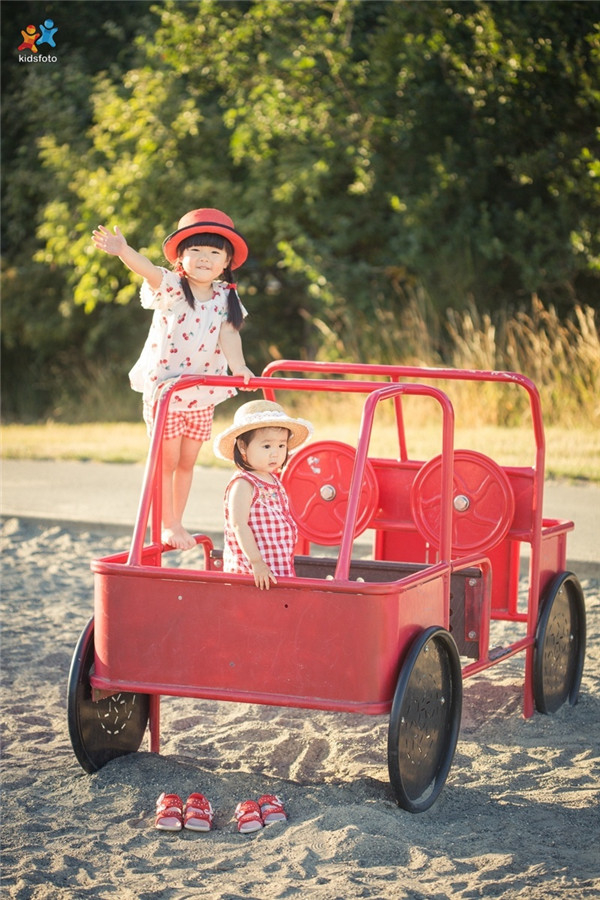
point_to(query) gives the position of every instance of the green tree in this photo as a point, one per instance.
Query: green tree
(369, 151)
(495, 121)
(47, 340)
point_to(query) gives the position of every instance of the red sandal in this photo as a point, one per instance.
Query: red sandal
(248, 816)
(169, 813)
(271, 809)
(198, 813)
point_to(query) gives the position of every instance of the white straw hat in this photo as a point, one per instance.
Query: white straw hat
(260, 414)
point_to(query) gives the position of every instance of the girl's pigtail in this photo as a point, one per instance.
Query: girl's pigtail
(234, 306)
(185, 285)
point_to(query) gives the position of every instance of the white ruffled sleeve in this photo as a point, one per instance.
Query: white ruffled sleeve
(168, 293)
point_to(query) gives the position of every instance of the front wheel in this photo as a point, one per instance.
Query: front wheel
(425, 720)
(559, 644)
(103, 729)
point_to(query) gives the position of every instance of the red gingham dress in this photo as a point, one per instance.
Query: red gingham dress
(272, 524)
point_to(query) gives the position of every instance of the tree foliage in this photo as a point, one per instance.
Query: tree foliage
(367, 150)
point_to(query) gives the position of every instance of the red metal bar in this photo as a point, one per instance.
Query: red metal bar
(512, 650)
(154, 723)
(538, 486)
(150, 496)
(366, 425)
(402, 448)
(422, 373)
(111, 566)
(268, 383)
(204, 541)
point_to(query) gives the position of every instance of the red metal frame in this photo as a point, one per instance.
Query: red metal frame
(553, 535)
(334, 644)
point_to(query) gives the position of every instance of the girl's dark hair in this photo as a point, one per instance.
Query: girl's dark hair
(245, 438)
(234, 307)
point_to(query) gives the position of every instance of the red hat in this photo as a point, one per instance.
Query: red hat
(207, 221)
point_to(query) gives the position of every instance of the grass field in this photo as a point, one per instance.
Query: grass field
(570, 453)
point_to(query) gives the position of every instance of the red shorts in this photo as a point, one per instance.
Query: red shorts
(195, 424)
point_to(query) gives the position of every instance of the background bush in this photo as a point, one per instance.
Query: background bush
(417, 181)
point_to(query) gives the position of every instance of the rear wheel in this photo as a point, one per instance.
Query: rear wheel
(425, 720)
(104, 729)
(559, 644)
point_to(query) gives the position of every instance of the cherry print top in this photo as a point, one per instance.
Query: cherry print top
(182, 341)
(272, 525)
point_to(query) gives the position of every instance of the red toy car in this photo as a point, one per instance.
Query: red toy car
(394, 634)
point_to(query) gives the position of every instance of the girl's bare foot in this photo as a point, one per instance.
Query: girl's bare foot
(176, 536)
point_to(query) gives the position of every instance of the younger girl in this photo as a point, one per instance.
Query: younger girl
(194, 331)
(260, 534)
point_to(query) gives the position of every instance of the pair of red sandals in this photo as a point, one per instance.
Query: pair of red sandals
(252, 815)
(172, 815)
(197, 813)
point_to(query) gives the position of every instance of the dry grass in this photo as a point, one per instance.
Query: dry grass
(562, 357)
(571, 453)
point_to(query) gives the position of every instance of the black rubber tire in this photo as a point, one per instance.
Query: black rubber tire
(425, 719)
(559, 644)
(104, 729)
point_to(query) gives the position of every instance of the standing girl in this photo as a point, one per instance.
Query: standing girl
(195, 331)
(260, 534)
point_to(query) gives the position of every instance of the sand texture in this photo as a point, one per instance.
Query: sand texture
(519, 816)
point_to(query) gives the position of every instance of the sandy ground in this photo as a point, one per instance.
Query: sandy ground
(519, 816)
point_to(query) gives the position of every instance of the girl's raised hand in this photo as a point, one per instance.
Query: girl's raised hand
(109, 242)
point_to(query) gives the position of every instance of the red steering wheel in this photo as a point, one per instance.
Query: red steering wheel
(483, 503)
(317, 480)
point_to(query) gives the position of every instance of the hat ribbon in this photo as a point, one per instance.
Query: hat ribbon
(265, 414)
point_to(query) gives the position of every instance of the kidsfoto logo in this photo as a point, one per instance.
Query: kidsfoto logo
(33, 38)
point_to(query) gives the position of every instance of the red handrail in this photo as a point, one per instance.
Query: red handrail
(150, 496)
(366, 425)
